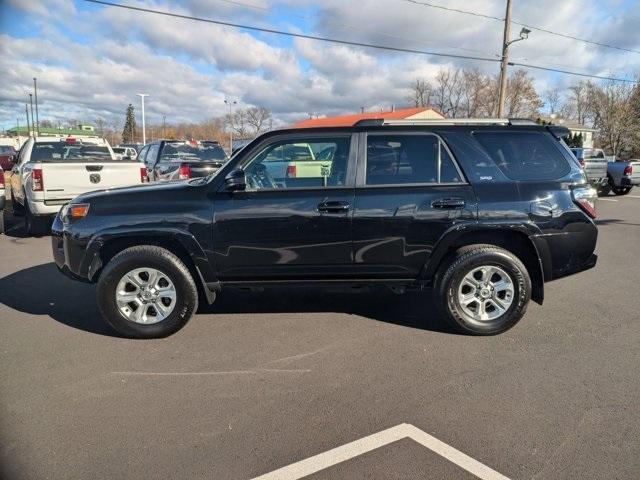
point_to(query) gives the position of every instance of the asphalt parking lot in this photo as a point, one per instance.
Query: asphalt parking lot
(268, 379)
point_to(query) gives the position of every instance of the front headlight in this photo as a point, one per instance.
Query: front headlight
(72, 212)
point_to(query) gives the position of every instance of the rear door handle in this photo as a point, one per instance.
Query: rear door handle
(448, 203)
(333, 207)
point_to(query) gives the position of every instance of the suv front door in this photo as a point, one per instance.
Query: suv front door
(293, 223)
(409, 191)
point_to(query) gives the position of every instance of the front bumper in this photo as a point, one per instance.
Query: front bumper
(70, 253)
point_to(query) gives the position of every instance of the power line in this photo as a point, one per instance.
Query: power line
(346, 42)
(352, 27)
(539, 67)
(292, 34)
(520, 24)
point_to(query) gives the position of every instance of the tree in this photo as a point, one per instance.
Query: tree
(471, 93)
(612, 107)
(420, 95)
(551, 98)
(522, 100)
(129, 130)
(259, 119)
(635, 113)
(574, 141)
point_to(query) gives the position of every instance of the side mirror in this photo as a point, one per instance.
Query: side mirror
(236, 180)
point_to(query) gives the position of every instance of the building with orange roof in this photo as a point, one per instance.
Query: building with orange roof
(417, 113)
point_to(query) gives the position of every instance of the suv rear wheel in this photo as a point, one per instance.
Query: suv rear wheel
(146, 292)
(483, 290)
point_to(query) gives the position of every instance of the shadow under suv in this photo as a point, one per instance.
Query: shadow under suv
(483, 212)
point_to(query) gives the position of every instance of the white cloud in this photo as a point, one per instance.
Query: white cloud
(93, 63)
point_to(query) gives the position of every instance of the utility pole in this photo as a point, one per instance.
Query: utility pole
(33, 121)
(35, 91)
(230, 103)
(524, 34)
(164, 125)
(505, 60)
(144, 133)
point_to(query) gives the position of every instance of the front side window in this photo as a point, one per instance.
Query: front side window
(299, 163)
(406, 159)
(525, 155)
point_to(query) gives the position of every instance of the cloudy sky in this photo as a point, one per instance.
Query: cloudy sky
(91, 60)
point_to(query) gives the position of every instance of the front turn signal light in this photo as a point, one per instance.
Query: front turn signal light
(74, 211)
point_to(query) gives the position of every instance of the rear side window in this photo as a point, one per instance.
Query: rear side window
(405, 159)
(524, 155)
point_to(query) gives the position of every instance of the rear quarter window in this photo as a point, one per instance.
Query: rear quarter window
(524, 155)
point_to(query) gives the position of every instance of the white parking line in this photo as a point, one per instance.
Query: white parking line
(607, 200)
(359, 447)
(633, 196)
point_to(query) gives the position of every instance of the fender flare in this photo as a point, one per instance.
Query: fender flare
(451, 236)
(92, 262)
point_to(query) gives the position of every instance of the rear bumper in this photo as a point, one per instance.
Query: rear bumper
(629, 182)
(45, 208)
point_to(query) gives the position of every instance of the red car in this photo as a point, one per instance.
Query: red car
(6, 152)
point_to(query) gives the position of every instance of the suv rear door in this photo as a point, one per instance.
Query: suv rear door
(287, 228)
(409, 191)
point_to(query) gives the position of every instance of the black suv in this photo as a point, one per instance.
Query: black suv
(482, 211)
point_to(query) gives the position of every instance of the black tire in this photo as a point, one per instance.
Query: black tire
(465, 260)
(35, 225)
(16, 208)
(606, 188)
(147, 256)
(621, 190)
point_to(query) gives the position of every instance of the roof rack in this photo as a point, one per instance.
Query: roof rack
(372, 122)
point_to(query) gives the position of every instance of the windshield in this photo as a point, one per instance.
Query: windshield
(61, 151)
(184, 151)
(593, 153)
(6, 149)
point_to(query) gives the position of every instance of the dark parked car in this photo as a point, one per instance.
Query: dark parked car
(180, 160)
(2, 200)
(483, 212)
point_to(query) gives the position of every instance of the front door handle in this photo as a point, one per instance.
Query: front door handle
(448, 203)
(333, 207)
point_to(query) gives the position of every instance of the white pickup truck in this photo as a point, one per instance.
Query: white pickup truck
(49, 171)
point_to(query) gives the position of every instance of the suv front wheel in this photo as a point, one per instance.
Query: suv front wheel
(146, 292)
(483, 290)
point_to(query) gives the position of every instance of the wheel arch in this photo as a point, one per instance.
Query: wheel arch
(516, 241)
(102, 249)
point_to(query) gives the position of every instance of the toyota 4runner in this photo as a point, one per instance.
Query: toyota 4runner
(483, 212)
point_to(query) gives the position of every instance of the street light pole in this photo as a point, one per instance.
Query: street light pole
(164, 124)
(35, 91)
(26, 110)
(524, 34)
(144, 132)
(33, 120)
(230, 103)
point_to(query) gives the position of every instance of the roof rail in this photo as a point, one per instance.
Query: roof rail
(373, 122)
